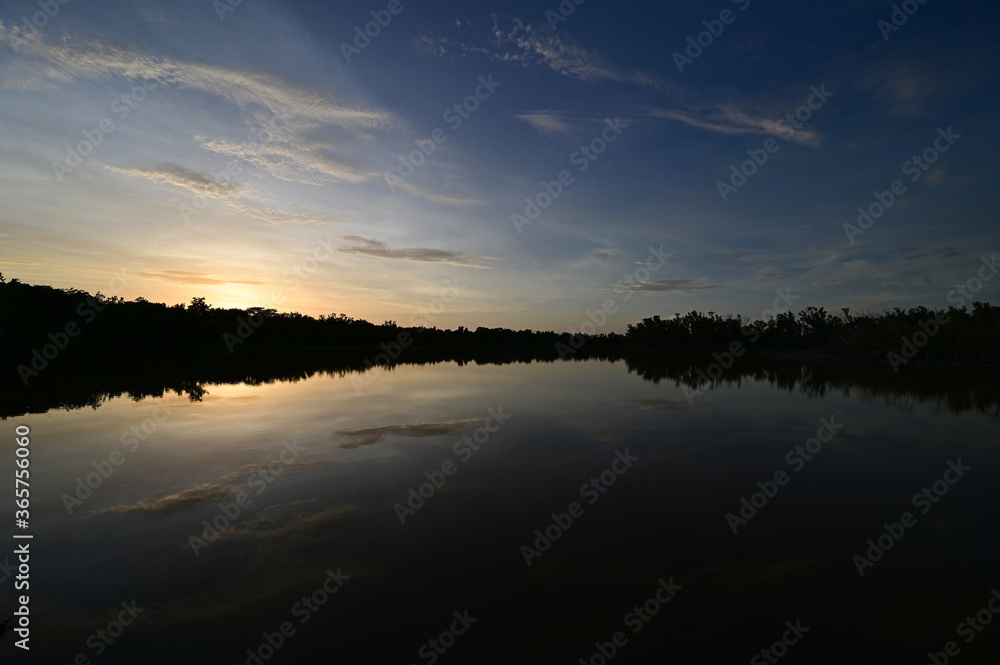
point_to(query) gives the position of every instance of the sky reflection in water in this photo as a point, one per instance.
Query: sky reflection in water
(327, 501)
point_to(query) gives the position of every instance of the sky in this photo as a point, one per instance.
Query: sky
(516, 164)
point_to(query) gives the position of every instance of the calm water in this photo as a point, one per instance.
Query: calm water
(323, 467)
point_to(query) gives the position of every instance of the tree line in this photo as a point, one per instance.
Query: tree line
(38, 323)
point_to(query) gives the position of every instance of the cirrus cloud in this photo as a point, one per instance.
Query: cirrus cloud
(377, 248)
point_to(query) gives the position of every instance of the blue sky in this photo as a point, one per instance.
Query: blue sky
(165, 97)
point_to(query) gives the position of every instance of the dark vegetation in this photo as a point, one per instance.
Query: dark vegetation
(83, 383)
(952, 335)
(141, 349)
(41, 325)
(114, 326)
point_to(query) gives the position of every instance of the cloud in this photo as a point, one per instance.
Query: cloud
(729, 119)
(682, 286)
(546, 122)
(290, 157)
(278, 522)
(174, 503)
(286, 119)
(938, 175)
(434, 197)
(655, 404)
(545, 46)
(244, 472)
(372, 247)
(183, 277)
(275, 216)
(528, 46)
(942, 253)
(92, 61)
(191, 497)
(372, 435)
(908, 87)
(235, 198)
(180, 176)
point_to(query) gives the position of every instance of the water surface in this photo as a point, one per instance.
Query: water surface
(323, 464)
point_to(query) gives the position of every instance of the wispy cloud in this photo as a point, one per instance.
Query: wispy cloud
(177, 502)
(655, 404)
(231, 483)
(730, 119)
(436, 197)
(530, 46)
(180, 176)
(185, 277)
(934, 254)
(372, 435)
(547, 122)
(372, 247)
(235, 197)
(682, 286)
(92, 61)
(290, 117)
(908, 87)
(277, 522)
(272, 215)
(289, 156)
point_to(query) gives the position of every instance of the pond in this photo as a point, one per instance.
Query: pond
(485, 512)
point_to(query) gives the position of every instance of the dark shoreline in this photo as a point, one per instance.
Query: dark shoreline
(87, 381)
(875, 359)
